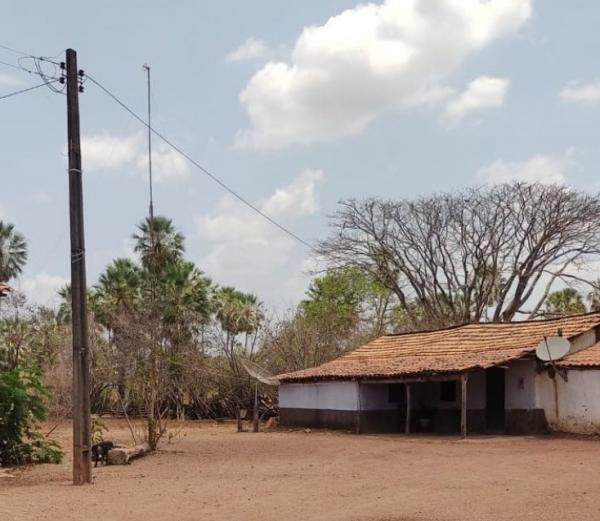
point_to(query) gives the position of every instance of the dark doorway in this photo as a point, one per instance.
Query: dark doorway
(494, 396)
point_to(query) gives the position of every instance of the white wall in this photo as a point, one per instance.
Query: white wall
(520, 387)
(343, 396)
(339, 396)
(578, 401)
(587, 339)
(376, 397)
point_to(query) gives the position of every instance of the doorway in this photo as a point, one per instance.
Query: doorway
(494, 399)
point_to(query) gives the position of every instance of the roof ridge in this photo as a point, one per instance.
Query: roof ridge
(447, 328)
(511, 323)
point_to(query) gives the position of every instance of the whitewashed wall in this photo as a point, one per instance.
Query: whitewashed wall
(337, 396)
(587, 339)
(578, 406)
(519, 385)
(376, 397)
(578, 401)
(343, 396)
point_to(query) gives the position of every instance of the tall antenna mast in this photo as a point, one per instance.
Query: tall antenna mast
(146, 67)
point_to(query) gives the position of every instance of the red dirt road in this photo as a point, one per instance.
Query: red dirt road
(213, 473)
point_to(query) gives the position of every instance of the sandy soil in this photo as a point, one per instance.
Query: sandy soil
(212, 473)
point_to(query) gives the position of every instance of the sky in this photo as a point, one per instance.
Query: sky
(295, 106)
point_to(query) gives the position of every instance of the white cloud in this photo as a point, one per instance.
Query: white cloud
(251, 49)
(540, 168)
(6, 80)
(108, 152)
(578, 92)
(298, 198)
(481, 93)
(235, 221)
(42, 288)
(246, 246)
(295, 285)
(105, 152)
(166, 164)
(365, 61)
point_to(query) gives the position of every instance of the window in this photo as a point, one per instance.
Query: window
(448, 391)
(396, 393)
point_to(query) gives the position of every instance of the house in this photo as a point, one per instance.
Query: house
(481, 377)
(5, 289)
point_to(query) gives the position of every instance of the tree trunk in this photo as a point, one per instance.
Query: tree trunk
(123, 455)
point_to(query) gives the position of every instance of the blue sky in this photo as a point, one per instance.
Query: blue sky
(295, 106)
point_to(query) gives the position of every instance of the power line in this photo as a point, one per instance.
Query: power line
(16, 51)
(38, 67)
(16, 67)
(21, 68)
(200, 167)
(37, 60)
(27, 90)
(39, 72)
(24, 54)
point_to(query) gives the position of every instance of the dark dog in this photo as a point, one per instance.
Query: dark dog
(100, 452)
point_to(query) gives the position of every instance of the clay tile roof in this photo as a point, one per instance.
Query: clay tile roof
(451, 350)
(589, 357)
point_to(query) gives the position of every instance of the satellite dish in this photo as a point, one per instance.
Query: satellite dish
(552, 348)
(260, 373)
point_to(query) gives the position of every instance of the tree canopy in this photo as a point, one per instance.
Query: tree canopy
(471, 255)
(13, 252)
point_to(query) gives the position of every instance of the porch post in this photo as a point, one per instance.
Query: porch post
(463, 404)
(359, 407)
(407, 426)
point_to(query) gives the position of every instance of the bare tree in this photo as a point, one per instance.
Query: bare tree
(471, 255)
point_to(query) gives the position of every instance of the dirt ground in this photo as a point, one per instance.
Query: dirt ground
(209, 472)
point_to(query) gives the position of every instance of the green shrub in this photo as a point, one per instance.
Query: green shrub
(22, 407)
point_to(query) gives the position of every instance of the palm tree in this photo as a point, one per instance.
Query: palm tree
(185, 294)
(593, 296)
(566, 301)
(117, 289)
(63, 315)
(158, 243)
(238, 313)
(13, 252)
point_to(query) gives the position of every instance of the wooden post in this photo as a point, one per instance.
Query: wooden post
(358, 408)
(238, 417)
(463, 404)
(407, 426)
(82, 469)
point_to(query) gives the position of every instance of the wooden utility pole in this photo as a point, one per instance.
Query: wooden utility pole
(82, 468)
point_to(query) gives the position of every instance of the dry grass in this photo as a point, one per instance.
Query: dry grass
(212, 473)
